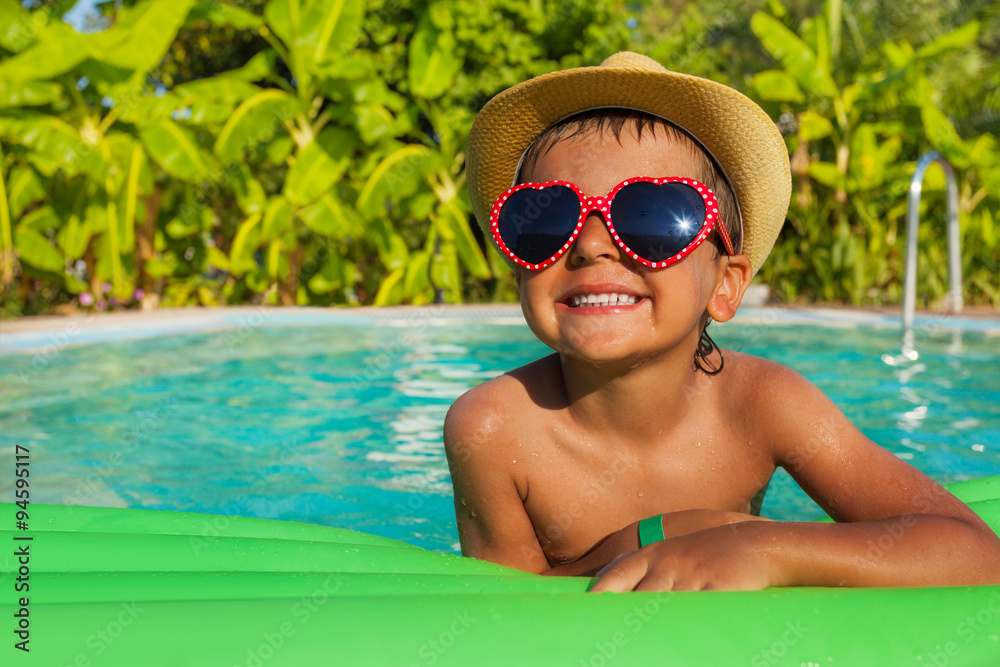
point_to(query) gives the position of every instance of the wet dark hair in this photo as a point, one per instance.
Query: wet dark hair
(709, 173)
(707, 346)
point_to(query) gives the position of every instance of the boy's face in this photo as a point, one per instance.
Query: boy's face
(670, 303)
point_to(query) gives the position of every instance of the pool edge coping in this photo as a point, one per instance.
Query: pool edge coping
(33, 334)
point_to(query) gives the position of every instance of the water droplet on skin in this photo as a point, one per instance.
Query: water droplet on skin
(642, 492)
(473, 514)
(514, 461)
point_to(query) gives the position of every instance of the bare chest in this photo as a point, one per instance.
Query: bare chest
(580, 492)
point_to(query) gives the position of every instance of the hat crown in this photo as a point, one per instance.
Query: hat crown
(632, 60)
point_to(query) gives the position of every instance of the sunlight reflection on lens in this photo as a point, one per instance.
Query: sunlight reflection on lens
(684, 223)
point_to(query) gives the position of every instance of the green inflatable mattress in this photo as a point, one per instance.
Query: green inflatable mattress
(127, 587)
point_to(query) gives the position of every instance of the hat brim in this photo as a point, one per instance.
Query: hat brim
(736, 131)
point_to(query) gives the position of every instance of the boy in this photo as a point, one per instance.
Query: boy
(639, 451)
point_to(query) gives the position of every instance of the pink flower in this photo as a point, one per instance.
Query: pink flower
(101, 305)
(86, 299)
(139, 294)
(106, 287)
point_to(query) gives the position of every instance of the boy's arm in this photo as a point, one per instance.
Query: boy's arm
(899, 528)
(492, 522)
(626, 540)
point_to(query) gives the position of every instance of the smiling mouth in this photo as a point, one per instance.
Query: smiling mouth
(611, 299)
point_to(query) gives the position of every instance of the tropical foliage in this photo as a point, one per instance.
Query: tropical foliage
(312, 151)
(859, 118)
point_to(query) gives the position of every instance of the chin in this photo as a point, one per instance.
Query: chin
(599, 350)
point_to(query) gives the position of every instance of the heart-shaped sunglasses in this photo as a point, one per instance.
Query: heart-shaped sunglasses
(657, 221)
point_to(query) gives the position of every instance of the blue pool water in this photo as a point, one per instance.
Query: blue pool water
(340, 423)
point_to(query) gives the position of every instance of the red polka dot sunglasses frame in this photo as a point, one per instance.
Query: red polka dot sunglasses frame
(656, 221)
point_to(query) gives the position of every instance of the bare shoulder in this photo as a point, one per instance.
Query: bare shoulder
(763, 379)
(494, 411)
(766, 387)
(778, 404)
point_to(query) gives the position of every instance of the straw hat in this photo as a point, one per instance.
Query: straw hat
(739, 134)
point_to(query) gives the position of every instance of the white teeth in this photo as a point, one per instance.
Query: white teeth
(604, 300)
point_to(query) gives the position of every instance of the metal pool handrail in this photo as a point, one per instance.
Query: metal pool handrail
(954, 298)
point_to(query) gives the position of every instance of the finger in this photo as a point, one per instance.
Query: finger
(662, 577)
(674, 584)
(654, 583)
(606, 568)
(623, 575)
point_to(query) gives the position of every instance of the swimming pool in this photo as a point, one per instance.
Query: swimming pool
(335, 417)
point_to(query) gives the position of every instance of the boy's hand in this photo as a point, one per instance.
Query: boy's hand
(720, 558)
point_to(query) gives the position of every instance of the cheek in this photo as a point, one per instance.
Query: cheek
(519, 276)
(685, 287)
(705, 273)
(534, 296)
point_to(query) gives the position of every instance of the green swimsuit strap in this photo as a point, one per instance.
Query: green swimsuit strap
(651, 530)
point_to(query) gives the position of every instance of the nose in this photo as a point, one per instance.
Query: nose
(594, 243)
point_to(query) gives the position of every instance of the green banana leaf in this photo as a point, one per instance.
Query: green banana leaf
(244, 244)
(778, 86)
(331, 217)
(390, 290)
(256, 121)
(277, 218)
(54, 145)
(24, 188)
(57, 50)
(34, 249)
(28, 93)
(41, 219)
(398, 175)
(176, 150)
(249, 192)
(141, 35)
(319, 165)
(433, 61)
(329, 30)
(465, 242)
(813, 126)
(787, 47)
(222, 15)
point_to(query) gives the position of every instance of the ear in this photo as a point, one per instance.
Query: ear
(734, 278)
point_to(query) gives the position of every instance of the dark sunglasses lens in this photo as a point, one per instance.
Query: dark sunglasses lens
(536, 223)
(657, 220)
